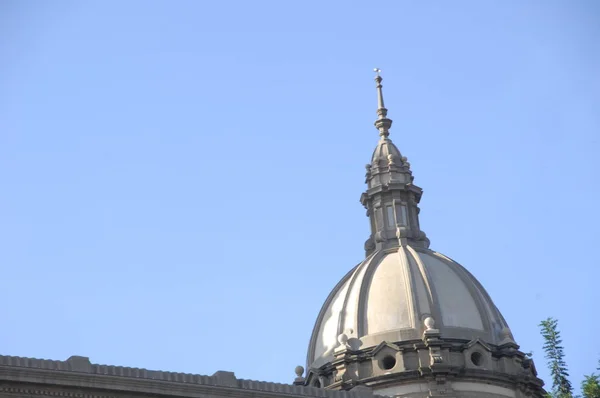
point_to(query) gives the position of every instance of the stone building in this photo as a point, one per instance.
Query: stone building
(405, 322)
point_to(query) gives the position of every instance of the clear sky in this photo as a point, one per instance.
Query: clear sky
(181, 179)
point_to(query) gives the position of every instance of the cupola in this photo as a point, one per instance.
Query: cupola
(408, 321)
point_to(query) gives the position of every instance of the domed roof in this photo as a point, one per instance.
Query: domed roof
(388, 296)
(409, 321)
(384, 152)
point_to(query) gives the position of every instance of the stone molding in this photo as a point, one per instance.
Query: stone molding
(434, 360)
(77, 377)
(49, 393)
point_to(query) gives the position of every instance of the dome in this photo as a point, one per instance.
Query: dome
(384, 151)
(408, 321)
(388, 296)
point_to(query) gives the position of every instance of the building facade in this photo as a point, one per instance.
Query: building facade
(406, 322)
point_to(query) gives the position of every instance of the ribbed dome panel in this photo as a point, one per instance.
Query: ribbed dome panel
(387, 297)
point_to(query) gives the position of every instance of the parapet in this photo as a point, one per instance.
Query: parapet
(79, 365)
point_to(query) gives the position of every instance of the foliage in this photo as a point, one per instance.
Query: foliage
(561, 386)
(590, 387)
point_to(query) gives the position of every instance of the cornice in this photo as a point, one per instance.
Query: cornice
(73, 384)
(519, 378)
(43, 391)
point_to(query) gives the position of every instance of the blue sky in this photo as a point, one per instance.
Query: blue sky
(181, 179)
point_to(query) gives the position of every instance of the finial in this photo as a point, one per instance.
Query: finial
(431, 333)
(378, 79)
(429, 323)
(383, 124)
(299, 380)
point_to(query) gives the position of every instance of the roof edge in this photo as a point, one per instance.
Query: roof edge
(83, 366)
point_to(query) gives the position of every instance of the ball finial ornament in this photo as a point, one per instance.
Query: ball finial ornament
(299, 371)
(429, 323)
(391, 159)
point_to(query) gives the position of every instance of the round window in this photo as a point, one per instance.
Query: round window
(388, 362)
(477, 358)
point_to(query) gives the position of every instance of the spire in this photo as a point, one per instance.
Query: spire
(382, 123)
(391, 198)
